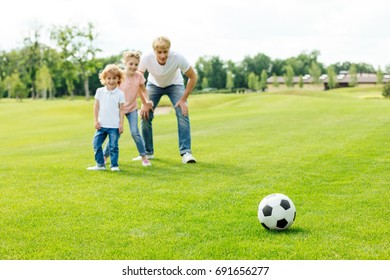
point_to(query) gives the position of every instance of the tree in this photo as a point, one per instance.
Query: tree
(353, 76)
(289, 76)
(253, 81)
(85, 55)
(2, 88)
(229, 80)
(64, 37)
(315, 72)
(256, 64)
(213, 69)
(300, 82)
(263, 81)
(15, 87)
(44, 82)
(78, 54)
(32, 57)
(275, 81)
(332, 82)
(386, 90)
(379, 76)
(205, 83)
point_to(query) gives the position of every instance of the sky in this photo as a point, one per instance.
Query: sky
(341, 30)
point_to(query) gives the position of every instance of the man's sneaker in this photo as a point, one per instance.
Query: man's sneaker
(147, 156)
(96, 168)
(115, 168)
(188, 158)
(146, 163)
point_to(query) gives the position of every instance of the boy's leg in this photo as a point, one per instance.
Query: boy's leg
(113, 134)
(155, 94)
(98, 139)
(175, 92)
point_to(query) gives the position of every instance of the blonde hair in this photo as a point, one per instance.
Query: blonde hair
(161, 42)
(129, 54)
(112, 69)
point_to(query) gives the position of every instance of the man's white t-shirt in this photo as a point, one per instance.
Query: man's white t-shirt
(164, 75)
(109, 102)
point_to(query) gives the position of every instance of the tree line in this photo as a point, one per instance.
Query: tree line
(70, 67)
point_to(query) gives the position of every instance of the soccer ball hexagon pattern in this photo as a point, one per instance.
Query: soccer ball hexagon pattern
(276, 212)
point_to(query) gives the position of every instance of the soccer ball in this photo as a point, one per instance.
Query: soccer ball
(276, 212)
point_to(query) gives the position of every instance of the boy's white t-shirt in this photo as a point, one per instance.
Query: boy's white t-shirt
(109, 102)
(164, 75)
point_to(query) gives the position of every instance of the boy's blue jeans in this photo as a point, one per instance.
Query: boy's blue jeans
(113, 136)
(174, 93)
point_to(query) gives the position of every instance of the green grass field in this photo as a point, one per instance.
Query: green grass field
(328, 151)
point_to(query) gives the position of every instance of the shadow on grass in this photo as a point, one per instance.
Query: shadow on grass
(291, 231)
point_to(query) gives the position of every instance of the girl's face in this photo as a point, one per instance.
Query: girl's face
(132, 65)
(111, 81)
(161, 55)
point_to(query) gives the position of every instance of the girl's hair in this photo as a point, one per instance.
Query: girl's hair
(112, 69)
(129, 54)
(161, 42)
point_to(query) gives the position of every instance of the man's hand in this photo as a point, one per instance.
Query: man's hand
(183, 106)
(145, 110)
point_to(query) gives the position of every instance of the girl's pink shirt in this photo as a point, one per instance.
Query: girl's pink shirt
(130, 87)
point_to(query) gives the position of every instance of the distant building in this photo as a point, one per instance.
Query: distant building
(343, 79)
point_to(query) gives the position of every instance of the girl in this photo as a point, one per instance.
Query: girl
(133, 86)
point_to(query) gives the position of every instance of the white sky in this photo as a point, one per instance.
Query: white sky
(342, 30)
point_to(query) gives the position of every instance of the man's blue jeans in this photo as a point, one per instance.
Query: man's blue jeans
(113, 136)
(174, 93)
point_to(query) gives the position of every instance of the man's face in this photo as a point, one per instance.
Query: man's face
(161, 55)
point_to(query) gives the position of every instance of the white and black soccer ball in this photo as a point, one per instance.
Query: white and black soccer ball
(276, 212)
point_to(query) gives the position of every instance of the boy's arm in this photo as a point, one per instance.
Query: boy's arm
(121, 117)
(96, 108)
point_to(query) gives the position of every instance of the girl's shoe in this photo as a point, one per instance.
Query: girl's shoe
(140, 157)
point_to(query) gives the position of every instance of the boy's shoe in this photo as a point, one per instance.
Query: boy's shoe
(115, 168)
(147, 156)
(188, 158)
(96, 168)
(146, 163)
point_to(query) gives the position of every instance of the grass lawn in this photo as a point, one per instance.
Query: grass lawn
(328, 151)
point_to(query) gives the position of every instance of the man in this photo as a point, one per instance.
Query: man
(165, 68)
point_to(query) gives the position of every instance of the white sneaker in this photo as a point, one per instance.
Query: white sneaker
(96, 168)
(116, 168)
(147, 156)
(188, 158)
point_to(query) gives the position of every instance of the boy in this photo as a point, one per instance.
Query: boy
(108, 116)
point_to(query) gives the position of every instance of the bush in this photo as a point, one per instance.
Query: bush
(386, 90)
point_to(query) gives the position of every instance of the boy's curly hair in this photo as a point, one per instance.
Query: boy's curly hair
(112, 69)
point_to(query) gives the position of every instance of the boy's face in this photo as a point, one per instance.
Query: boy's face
(161, 55)
(132, 65)
(111, 81)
